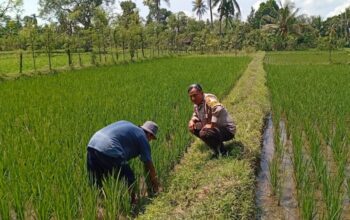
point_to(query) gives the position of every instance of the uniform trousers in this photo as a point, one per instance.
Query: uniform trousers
(214, 137)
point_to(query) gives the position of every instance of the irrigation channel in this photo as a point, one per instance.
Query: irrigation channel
(283, 204)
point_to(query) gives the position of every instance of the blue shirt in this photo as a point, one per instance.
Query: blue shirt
(122, 139)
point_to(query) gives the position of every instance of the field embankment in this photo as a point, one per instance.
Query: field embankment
(203, 188)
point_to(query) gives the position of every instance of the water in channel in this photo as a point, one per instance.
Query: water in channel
(284, 205)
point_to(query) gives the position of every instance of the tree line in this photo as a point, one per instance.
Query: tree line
(74, 26)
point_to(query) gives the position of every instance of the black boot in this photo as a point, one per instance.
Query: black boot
(222, 150)
(216, 153)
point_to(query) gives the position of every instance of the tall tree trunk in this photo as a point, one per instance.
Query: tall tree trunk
(33, 54)
(158, 46)
(111, 45)
(99, 48)
(123, 49)
(211, 13)
(115, 44)
(69, 55)
(79, 55)
(20, 61)
(142, 46)
(49, 49)
(105, 52)
(93, 58)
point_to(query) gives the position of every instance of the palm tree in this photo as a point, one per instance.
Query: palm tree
(211, 12)
(156, 3)
(227, 9)
(285, 21)
(199, 7)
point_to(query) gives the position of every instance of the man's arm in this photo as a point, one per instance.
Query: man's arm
(216, 109)
(192, 122)
(151, 171)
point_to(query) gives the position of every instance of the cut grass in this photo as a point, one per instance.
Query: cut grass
(201, 188)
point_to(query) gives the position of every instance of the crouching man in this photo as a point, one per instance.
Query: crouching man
(210, 120)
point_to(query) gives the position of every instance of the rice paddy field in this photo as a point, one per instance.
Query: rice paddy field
(10, 61)
(310, 99)
(46, 122)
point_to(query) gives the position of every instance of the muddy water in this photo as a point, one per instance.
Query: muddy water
(267, 204)
(288, 189)
(271, 207)
(346, 201)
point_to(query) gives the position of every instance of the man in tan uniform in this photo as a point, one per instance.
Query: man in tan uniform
(210, 120)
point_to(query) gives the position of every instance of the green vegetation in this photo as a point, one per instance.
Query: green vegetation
(201, 188)
(307, 58)
(47, 121)
(10, 62)
(313, 100)
(89, 27)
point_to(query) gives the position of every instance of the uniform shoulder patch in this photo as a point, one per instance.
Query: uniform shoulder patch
(211, 101)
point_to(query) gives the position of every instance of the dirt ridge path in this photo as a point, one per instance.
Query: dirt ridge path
(224, 188)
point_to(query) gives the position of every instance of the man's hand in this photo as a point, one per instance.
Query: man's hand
(191, 126)
(208, 125)
(150, 170)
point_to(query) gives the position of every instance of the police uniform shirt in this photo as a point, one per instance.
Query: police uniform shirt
(212, 111)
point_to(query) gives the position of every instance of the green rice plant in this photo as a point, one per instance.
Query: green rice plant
(306, 57)
(117, 201)
(306, 196)
(274, 175)
(305, 184)
(46, 123)
(275, 165)
(42, 203)
(331, 189)
(314, 99)
(90, 203)
(4, 206)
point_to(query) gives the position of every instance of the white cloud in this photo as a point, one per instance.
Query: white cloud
(189, 13)
(340, 9)
(310, 2)
(257, 4)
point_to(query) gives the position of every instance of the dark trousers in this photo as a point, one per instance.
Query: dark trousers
(214, 137)
(100, 166)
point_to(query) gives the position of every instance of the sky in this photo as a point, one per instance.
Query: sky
(324, 8)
